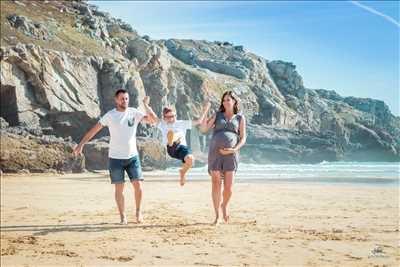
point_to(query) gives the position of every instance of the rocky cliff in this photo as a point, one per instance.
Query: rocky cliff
(61, 63)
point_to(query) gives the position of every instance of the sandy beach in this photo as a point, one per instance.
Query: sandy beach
(71, 219)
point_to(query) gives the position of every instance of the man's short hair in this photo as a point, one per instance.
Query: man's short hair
(120, 91)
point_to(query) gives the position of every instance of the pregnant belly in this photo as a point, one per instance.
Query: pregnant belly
(225, 140)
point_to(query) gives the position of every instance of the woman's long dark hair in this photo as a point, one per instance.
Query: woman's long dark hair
(232, 95)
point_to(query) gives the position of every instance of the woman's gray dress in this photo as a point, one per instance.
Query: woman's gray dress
(225, 135)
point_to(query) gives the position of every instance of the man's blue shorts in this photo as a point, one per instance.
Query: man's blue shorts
(117, 168)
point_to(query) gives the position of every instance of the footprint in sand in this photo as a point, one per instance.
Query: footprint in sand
(353, 257)
(202, 253)
(31, 240)
(9, 251)
(58, 244)
(124, 258)
(120, 258)
(62, 253)
(205, 264)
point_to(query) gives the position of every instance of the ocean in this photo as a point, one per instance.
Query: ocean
(366, 173)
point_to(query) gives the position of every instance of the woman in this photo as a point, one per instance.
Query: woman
(229, 135)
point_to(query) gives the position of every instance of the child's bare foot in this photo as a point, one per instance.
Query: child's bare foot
(225, 213)
(182, 178)
(139, 217)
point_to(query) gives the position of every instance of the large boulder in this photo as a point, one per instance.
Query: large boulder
(152, 154)
(37, 154)
(96, 154)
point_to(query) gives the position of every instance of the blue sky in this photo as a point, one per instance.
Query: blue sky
(337, 45)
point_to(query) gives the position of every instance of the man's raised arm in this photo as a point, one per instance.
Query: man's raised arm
(150, 117)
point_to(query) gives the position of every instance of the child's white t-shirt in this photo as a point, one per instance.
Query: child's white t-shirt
(122, 126)
(179, 128)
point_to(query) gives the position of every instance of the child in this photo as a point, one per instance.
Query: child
(174, 137)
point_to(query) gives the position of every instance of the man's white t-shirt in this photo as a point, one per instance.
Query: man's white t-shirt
(122, 127)
(179, 127)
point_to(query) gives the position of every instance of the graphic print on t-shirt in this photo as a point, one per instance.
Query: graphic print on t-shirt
(131, 122)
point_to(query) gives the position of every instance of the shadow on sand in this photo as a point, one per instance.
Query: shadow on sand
(97, 227)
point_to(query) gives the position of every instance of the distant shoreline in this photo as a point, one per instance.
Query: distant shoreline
(168, 176)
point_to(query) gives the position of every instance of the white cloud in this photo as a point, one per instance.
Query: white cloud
(376, 12)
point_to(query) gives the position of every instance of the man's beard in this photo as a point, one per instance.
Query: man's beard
(122, 106)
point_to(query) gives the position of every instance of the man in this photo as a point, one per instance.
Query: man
(122, 122)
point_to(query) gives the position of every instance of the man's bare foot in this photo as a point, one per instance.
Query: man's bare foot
(182, 178)
(170, 138)
(139, 217)
(225, 213)
(123, 220)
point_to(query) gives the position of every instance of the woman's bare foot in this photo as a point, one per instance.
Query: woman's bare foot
(123, 220)
(139, 217)
(182, 178)
(216, 221)
(225, 213)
